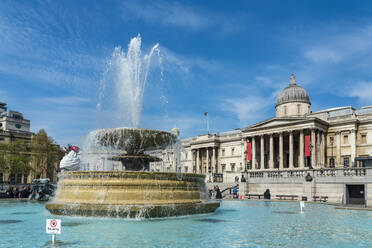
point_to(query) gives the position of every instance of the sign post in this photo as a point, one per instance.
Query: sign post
(53, 226)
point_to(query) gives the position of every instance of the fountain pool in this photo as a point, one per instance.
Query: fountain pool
(234, 224)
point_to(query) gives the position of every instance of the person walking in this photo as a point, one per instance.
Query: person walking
(235, 192)
(218, 193)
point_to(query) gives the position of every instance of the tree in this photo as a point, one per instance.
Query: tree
(14, 157)
(45, 153)
(3, 165)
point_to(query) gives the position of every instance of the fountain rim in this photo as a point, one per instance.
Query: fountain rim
(133, 128)
(132, 174)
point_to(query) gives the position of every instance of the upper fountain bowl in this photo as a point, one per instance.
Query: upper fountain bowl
(133, 140)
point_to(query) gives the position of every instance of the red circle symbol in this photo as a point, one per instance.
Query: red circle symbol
(53, 223)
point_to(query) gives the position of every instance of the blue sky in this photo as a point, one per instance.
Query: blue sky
(231, 59)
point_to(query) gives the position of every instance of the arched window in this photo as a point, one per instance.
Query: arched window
(285, 110)
(298, 109)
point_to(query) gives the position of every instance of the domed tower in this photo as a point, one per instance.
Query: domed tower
(293, 101)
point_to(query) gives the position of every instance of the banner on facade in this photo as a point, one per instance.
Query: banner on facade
(249, 149)
(307, 145)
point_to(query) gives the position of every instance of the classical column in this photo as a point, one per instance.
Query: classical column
(253, 153)
(318, 162)
(352, 146)
(291, 150)
(262, 153)
(313, 149)
(281, 155)
(213, 161)
(338, 148)
(197, 161)
(301, 163)
(193, 161)
(324, 148)
(271, 161)
(207, 172)
(243, 148)
(218, 161)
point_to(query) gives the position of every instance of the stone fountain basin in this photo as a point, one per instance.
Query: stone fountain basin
(133, 140)
(130, 194)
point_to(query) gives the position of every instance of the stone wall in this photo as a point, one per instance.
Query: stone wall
(329, 182)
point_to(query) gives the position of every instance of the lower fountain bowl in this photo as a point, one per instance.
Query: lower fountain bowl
(130, 194)
(135, 211)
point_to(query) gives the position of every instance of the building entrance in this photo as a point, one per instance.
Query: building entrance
(355, 194)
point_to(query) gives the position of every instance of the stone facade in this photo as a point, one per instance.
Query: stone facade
(338, 155)
(340, 137)
(13, 126)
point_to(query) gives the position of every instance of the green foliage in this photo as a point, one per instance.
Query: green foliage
(3, 149)
(14, 157)
(45, 153)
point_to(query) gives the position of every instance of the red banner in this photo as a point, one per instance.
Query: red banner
(307, 145)
(249, 149)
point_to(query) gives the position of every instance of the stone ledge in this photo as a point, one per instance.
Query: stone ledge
(132, 211)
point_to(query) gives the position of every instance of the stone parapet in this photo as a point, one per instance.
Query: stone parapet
(322, 182)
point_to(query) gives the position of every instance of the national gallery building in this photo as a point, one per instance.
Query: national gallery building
(295, 139)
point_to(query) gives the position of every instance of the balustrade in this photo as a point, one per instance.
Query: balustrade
(328, 172)
(256, 174)
(297, 173)
(274, 174)
(355, 172)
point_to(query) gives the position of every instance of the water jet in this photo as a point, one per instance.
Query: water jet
(123, 186)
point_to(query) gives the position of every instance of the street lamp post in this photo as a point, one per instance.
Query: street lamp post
(245, 172)
(311, 161)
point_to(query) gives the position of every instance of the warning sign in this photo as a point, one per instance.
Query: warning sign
(53, 226)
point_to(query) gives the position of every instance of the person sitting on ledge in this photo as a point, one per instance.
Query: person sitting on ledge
(267, 195)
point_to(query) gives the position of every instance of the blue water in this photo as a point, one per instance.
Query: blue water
(235, 224)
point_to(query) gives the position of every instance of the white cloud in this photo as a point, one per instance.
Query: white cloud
(189, 124)
(63, 100)
(323, 55)
(362, 91)
(187, 63)
(171, 14)
(339, 47)
(40, 44)
(65, 123)
(167, 14)
(249, 109)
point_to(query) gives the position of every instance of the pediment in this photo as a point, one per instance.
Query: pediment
(273, 122)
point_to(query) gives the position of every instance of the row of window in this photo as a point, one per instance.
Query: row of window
(223, 153)
(298, 109)
(233, 167)
(16, 125)
(346, 162)
(363, 139)
(232, 152)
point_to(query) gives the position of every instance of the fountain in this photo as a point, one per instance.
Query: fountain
(132, 191)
